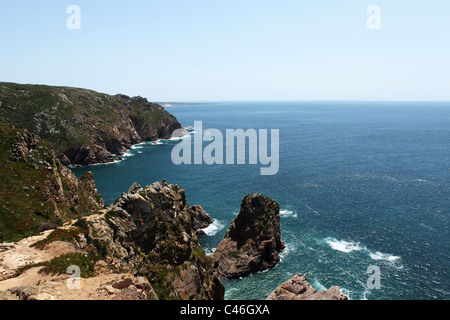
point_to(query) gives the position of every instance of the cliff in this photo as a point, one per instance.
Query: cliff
(36, 191)
(253, 241)
(142, 247)
(298, 288)
(84, 126)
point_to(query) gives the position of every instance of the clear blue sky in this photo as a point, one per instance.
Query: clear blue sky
(198, 50)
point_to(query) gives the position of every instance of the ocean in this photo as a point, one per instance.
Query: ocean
(360, 185)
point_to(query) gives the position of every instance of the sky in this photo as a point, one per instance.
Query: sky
(218, 50)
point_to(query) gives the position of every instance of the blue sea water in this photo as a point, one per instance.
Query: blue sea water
(360, 184)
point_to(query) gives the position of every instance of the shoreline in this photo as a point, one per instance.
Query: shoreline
(123, 156)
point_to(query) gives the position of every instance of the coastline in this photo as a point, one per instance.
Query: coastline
(126, 154)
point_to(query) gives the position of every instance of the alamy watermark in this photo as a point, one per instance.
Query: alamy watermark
(229, 150)
(374, 20)
(374, 280)
(74, 281)
(73, 22)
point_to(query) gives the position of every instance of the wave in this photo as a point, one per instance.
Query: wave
(343, 246)
(383, 256)
(350, 246)
(288, 214)
(127, 154)
(214, 228)
(288, 248)
(138, 146)
(347, 293)
(318, 286)
(209, 251)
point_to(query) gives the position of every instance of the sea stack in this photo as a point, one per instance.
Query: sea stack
(253, 242)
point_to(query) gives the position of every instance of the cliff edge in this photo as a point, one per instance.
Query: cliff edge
(142, 247)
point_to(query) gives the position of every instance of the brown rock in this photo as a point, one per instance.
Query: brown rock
(298, 288)
(253, 241)
(202, 220)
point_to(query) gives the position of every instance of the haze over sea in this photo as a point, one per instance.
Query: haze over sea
(360, 184)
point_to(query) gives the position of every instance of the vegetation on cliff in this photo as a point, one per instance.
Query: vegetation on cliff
(84, 126)
(148, 233)
(36, 190)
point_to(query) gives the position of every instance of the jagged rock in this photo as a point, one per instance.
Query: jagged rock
(253, 241)
(152, 234)
(202, 220)
(148, 249)
(298, 288)
(135, 187)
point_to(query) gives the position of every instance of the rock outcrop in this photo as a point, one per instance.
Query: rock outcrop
(36, 190)
(85, 127)
(253, 242)
(298, 288)
(148, 234)
(202, 220)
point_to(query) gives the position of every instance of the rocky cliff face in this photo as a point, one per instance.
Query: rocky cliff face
(36, 190)
(298, 288)
(84, 126)
(253, 241)
(152, 232)
(148, 234)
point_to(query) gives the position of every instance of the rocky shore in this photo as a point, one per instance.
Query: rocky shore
(146, 247)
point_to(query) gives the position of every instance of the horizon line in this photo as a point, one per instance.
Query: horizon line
(300, 100)
(233, 100)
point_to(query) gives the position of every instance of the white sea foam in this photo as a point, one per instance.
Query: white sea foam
(288, 214)
(127, 154)
(347, 293)
(157, 143)
(179, 138)
(209, 251)
(343, 246)
(383, 256)
(215, 227)
(288, 248)
(139, 145)
(349, 246)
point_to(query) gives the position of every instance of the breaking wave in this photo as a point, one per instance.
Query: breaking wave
(214, 228)
(350, 246)
(288, 214)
